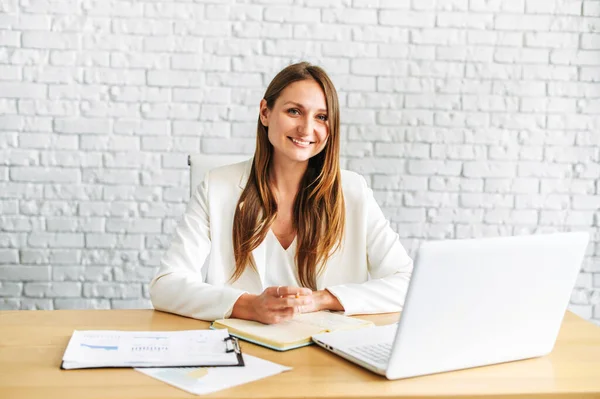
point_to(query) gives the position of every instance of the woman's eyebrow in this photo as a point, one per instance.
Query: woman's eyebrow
(302, 106)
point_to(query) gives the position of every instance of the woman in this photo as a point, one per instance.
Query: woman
(287, 231)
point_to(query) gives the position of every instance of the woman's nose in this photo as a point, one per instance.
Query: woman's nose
(305, 127)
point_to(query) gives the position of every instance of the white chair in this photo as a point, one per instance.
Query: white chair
(200, 164)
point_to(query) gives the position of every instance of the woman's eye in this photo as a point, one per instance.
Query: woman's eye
(293, 111)
(323, 117)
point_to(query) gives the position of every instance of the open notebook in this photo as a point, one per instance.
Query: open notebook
(290, 334)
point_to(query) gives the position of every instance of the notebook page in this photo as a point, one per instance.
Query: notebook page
(327, 321)
(285, 332)
(301, 327)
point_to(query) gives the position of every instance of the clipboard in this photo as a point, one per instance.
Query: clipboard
(148, 349)
(232, 344)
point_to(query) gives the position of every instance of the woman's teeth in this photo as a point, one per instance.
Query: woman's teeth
(301, 142)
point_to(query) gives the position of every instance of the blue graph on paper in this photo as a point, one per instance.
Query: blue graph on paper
(105, 347)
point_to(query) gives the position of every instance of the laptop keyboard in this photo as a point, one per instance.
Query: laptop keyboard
(376, 353)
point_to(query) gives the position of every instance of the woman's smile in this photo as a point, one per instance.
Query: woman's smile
(300, 142)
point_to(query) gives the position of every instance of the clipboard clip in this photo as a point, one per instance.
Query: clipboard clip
(232, 345)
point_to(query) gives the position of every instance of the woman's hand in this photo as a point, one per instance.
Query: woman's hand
(274, 305)
(322, 300)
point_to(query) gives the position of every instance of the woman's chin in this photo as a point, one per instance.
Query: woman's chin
(298, 156)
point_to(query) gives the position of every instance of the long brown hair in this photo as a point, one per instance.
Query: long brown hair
(318, 216)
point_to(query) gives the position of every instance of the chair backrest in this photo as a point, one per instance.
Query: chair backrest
(201, 163)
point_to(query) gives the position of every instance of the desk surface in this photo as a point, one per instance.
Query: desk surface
(32, 344)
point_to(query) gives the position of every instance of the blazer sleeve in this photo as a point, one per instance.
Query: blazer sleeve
(390, 267)
(179, 287)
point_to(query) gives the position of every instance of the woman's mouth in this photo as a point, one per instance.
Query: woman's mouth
(300, 142)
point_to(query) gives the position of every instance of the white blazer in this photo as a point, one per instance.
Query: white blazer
(368, 274)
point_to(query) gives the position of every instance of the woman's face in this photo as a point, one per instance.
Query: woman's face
(298, 125)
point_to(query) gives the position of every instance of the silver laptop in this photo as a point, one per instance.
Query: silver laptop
(472, 303)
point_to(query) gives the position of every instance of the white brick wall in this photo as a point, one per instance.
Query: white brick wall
(468, 118)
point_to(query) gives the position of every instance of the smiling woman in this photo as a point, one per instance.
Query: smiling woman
(297, 170)
(287, 231)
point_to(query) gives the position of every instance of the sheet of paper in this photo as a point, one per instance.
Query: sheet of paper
(205, 380)
(99, 348)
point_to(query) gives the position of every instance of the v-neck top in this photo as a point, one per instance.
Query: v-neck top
(280, 263)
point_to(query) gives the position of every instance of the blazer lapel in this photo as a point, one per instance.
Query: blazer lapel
(246, 175)
(259, 253)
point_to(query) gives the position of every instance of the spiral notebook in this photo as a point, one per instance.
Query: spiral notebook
(100, 349)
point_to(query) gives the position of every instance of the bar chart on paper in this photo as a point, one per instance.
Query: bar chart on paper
(150, 344)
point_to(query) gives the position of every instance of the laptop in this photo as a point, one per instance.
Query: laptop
(472, 303)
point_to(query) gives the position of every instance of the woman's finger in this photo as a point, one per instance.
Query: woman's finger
(289, 302)
(279, 316)
(291, 291)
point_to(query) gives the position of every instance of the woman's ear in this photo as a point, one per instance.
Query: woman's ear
(264, 113)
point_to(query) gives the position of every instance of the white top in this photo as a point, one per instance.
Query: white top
(281, 266)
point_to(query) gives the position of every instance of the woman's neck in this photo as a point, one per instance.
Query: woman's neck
(286, 176)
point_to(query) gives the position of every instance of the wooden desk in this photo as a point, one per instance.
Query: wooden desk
(32, 344)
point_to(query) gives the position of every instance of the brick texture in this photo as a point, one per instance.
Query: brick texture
(468, 118)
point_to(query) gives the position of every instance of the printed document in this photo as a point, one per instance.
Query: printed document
(98, 348)
(205, 380)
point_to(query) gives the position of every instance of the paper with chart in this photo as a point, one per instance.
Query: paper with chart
(204, 380)
(98, 348)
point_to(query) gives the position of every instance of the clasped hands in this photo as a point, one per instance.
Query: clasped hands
(279, 304)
